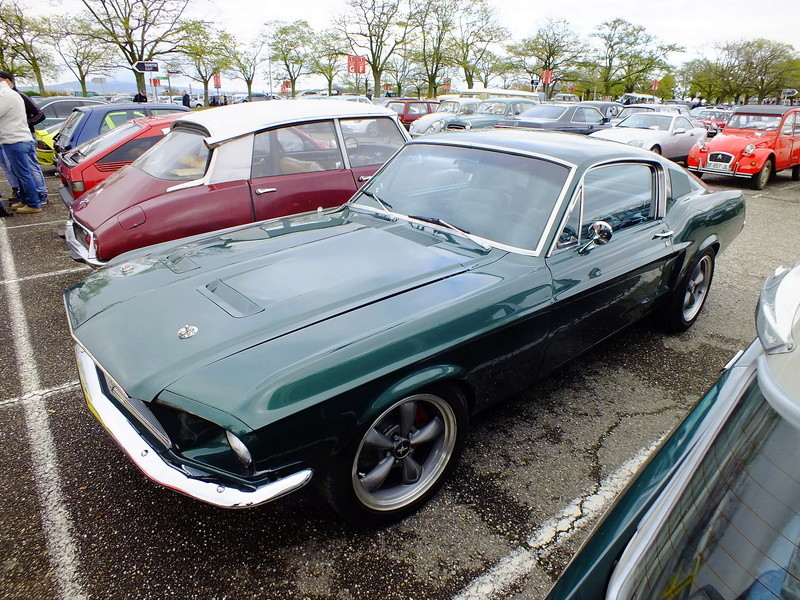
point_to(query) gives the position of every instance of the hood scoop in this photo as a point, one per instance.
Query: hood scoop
(228, 299)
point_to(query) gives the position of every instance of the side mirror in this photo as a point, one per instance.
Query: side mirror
(679, 131)
(606, 119)
(599, 234)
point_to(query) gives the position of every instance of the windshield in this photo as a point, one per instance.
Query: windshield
(180, 156)
(447, 106)
(758, 122)
(713, 114)
(544, 111)
(69, 126)
(631, 110)
(492, 108)
(105, 141)
(734, 531)
(648, 120)
(496, 196)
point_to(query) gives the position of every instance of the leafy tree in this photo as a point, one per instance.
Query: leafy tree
(79, 50)
(244, 60)
(490, 65)
(290, 45)
(628, 57)
(475, 30)
(203, 53)
(326, 60)
(377, 29)
(139, 29)
(28, 41)
(553, 48)
(434, 22)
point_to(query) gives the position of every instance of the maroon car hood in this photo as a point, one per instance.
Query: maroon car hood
(125, 188)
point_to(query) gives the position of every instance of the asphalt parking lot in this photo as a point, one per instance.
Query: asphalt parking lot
(78, 520)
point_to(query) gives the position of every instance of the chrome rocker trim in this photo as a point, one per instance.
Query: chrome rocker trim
(150, 462)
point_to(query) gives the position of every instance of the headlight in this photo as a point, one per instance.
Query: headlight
(749, 149)
(468, 125)
(637, 143)
(436, 126)
(239, 448)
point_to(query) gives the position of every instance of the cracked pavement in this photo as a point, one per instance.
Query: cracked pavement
(537, 469)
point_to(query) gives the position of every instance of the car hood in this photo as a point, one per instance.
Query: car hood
(740, 139)
(247, 286)
(425, 121)
(476, 120)
(626, 134)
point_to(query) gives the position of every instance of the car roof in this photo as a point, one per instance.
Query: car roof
(131, 106)
(236, 120)
(567, 147)
(41, 102)
(763, 109)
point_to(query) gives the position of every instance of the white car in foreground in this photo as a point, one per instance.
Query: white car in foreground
(671, 135)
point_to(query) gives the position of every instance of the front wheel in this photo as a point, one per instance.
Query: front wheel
(761, 178)
(796, 173)
(687, 300)
(400, 460)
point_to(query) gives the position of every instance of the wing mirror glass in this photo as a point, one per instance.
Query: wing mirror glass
(599, 234)
(680, 130)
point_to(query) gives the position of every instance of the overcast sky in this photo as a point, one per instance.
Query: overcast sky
(694, 24)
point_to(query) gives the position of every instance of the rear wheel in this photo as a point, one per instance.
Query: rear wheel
(687, 300)
(656, 149)
(400, 460)
(796, 173)
(761, 178)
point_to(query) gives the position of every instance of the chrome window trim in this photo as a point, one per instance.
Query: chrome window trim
(740, 378)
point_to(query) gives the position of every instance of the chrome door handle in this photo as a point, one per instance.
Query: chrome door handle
(365, 178)
(265, 190)
(663, 235)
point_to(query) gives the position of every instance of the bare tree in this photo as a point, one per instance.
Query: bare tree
(434, 22)
(139, 29)
(290, 49)
(376, 29)
(475, 31)
(553, 48)
(399, 70)
(28, 41)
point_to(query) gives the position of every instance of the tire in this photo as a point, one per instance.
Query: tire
(656, 149)
(796, 173)
(686, 301)
(390, 471)
(698, 174)
(761, 178)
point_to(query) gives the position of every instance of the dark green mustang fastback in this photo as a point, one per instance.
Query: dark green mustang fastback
(352, 345)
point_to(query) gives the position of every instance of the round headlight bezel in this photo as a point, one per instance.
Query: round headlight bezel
(239, 448)
(749, 150)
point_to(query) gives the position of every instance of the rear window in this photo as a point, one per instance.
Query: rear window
(69, 127)
(182, 156)
(103, 142)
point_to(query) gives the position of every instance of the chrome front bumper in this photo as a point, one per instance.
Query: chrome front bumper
(153, 465)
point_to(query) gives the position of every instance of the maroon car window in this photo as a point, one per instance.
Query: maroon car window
(182, 156)
(131, 150)
(297, 149)
(370, 141)
(417, 108)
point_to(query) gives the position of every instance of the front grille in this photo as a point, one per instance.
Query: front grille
(721, 157)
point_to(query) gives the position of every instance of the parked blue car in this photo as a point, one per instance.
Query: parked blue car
(87, 122)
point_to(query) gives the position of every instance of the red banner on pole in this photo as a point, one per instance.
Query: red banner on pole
(217, 80)
(655, 85)
(547, 77)
(155, 82)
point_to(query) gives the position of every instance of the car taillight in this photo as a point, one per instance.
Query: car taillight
(77, 186)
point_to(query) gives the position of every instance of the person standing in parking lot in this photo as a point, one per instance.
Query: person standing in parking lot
(16, 142)
(140, 96)
(187, 102)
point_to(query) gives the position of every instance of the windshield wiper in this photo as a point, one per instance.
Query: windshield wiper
(384, 205)
(443, 223)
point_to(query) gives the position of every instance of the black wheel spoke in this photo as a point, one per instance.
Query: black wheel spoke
(375, 440)
(412, 470)
(375, 478)
(408, 413)
(429, 433)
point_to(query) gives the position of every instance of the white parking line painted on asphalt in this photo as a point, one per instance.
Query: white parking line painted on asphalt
(46, 275)
(37, 224)
(66, 387)
(55, 516)
(558, 528)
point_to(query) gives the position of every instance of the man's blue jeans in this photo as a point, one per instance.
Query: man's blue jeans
(19, 159)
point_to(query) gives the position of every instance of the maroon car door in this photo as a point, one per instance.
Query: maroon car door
(297, 169)
(370, 142)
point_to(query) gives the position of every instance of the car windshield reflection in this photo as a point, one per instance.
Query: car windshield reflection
(495, 196)
(648, 121)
